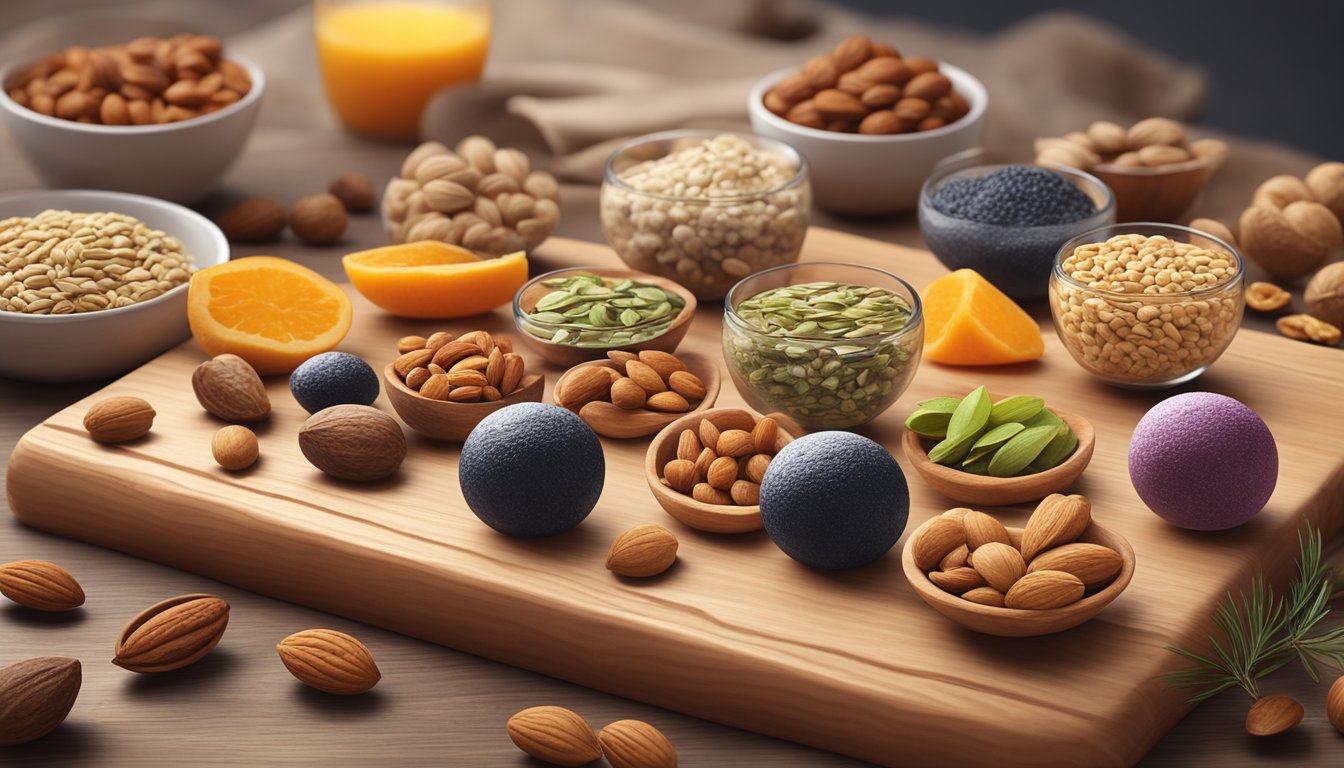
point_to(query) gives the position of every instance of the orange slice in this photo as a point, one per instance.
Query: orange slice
(970, 322)
(429, 279)
(269, 311)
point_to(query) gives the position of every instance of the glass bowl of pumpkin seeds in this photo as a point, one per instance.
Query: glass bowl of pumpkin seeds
(572, 315)
(831, 345)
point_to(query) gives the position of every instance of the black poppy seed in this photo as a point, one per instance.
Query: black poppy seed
(1015, 196)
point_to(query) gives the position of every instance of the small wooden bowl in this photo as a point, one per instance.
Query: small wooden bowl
(609, 421)
(715, 518)
(998, 491)
(1017, 622)
(444, 420)
(567, 356)
(1154, 194)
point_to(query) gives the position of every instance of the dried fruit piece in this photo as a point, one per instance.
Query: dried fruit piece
(1267, 297)
(119, 419)
(645, 550)
(329, 661)
(1308, 328)
(1272, 715)
(1043, 590)
(555, 735)
(35, 696)
(40, 585)
(636, 744)
(172, 634)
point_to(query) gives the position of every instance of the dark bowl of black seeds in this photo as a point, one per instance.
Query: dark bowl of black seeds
(1007, 222)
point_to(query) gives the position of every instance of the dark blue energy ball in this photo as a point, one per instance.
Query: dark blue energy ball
(532, 470)
(333, 378)
(1016, 196)
(834, 500)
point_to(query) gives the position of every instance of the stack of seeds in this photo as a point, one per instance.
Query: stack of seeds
(587, 311)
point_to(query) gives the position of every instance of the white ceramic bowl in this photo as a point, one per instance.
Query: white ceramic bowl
(97, 345)
(175, 161)
(865, 175)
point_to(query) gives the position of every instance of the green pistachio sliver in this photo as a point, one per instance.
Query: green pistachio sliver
(1018, 408)
(1046, 417)
(1060, 447)
(970, 417)
(630, 317)
(978, 467)
(1022, 449)
(932, 424)
(549, 318)
(940, 404)
(997, 436)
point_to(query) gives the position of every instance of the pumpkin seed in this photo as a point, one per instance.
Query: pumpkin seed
(587, 310)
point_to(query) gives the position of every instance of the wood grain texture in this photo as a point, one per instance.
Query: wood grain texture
(859, 665)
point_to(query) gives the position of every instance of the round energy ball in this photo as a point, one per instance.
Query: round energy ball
(1203, 461)
(532, 470)
(333, 378)
(834, 500)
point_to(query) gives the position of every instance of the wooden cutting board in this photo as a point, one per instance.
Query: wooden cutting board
(736, 632)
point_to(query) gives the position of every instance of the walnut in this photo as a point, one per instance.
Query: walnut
(1325, 294)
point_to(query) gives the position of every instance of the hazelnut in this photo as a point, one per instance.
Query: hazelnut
(318, 219)
(1216, 228)
(354, 191)
(1325, 294)
(256, 220)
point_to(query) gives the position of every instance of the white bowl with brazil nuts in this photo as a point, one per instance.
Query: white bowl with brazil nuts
(85, 346)
(866, 175)
(179, 161)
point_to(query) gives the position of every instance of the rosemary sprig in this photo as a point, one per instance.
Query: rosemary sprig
(1263, 633)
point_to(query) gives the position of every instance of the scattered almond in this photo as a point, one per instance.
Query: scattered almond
(329, 661)
(255, 220)
(40, 585)
(1272, 715)
(318, 219)
(645, 550)
(353, 442)
(636, 744)
(172, 634)
(354, 191)
(555, 735)
(229, 388)
(35, 697)
(119, 419)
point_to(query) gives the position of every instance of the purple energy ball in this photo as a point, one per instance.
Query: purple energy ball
(1203, 461)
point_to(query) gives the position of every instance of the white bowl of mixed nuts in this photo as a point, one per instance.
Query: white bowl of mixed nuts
(94, 283)
(159, 117)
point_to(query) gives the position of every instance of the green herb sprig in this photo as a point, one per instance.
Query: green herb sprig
(1263, 633)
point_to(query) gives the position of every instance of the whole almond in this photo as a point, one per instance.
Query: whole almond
(353, 442)
(452, 352)
(256, 220)
(412, 343)
(702, 462)
(235, 447)
(911, 110)
(619, 358)
(794, 89)
(583, 385)
(927, 86)
(625, 393)
(764, 435)
(436, 387)
(1160, 154)
(688, 445)
(1057, 520)
(1272, 715)
(645, 550)
(854, 83)
(954, 559)
(805, 113)
(318, 219)
(172, 634)
(467, 379)
(118, 419)
(736, 443)
(722, 473)
(35, 697)
(687, 384)
(884, 69)
(636, 744)
(835, 104)
(982, 529)
(513, 373)
(708, 494)
(354, 191)
(754, 468)
(494, 370)
(709, 433)
(1043, 590)
(936, 539)
(329, 661)
(645, 376)
(957, 580)
(880, 96)
(681, 475)
(821, 72)
(745, 493)
(1107, 137)
(228, 387)
(984, 596)
(40, 585)
(667, 402)
(1154, 130)
(1000, 564)
(555, 735)
(851, 52)
(1093, 564)
(880, 123)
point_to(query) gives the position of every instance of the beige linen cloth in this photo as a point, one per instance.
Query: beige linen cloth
(568, 79)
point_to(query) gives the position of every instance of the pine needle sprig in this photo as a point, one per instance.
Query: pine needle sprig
(1262, 633)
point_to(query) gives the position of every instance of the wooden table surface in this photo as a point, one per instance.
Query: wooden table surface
(445, 708)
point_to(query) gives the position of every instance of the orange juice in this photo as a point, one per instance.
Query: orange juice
(382, 62)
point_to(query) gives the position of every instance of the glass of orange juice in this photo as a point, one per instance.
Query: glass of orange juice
(382, 60)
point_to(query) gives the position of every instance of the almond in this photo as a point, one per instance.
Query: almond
(228, 388)
(636, 744)
(40, 585)
(353, 442)
(851, 52)
(35, 696)
(702, 462)
(687, 384)
(805, 113)
(1154, 131)
(451, 352)
(927, 86)
(1000, 564)
(709, 433)
(681, 475)
(436, 387)
(645, 376)
(1272, 715)
(329, 661)
(835, 104)
(793, 89)
(881, 123)
(1057, 520)
(688, 445)
(745, 493)
(625, 393)
(172, 634)
(667, 402)
(708, 494)
(118, 419)
(911, 110)
(1334, 704)
(821, 72)
(984, 596)
(982, 529)
(235, 447)
(954, 559)
(764, 435)
(619, 358)
(722, 473)
(1093, 564)
(1107, 138)
(957, 513)
(1160, 154)
(1043, 590)
(884, 69)
(257, 220)
(754, 469)
(645, 550)
(735, 443)
(583, 385)
(880, 96)
(957, 580)
(513, 373)
(354, 191)
(447, 197)
(555, 735)
(318, 219)
(936, 539)
(413, 343)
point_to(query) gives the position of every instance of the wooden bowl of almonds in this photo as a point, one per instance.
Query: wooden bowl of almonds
(705, 469)
(443, 385)
(1058, 572)
(633, 395)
